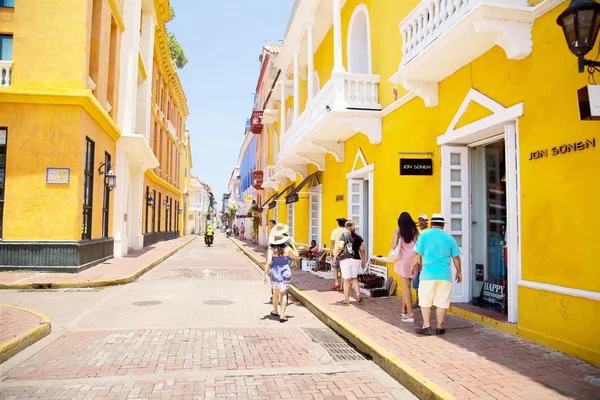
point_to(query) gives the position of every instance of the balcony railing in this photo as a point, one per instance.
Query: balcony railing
(441, 36)
(256, 124)
(343, 92)
(5, 73)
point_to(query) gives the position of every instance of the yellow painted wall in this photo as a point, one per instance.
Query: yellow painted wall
(164, 192)
(7, 19)
(553, 190)
(61, 65)
(42, 136)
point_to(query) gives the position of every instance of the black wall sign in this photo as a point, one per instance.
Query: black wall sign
(479, 272)
(416, 166)
(292, 198)
(494, 294)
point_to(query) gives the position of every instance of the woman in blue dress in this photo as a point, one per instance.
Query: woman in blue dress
(281, 249)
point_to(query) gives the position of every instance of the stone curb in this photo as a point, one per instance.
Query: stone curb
(413, 380)
(91, 284)
(15, 345)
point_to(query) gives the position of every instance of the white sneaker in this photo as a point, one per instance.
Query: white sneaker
(408, 319)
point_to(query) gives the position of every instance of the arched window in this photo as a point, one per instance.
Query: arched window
(359, 41)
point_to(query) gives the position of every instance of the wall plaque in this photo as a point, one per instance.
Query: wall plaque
(416, 166)
(339, 197)
(60, 176)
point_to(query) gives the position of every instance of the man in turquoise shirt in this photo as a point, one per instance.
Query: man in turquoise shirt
(435, 250)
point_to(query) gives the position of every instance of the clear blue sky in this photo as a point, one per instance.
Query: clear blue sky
(222, 41)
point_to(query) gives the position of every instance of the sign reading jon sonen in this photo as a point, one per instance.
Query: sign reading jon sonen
(416, 166)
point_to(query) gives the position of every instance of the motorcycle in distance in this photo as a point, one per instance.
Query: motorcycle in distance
(209, 237)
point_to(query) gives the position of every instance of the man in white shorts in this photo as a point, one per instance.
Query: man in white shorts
(435, 250)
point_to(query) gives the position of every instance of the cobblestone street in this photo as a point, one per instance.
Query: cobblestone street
(195, 327)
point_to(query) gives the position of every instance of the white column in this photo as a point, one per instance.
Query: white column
(144, 102)
(136, 211)
(296, 84)
(119, 230)
(129, 66)
(283, 81)
(311, 61)
(338, 63)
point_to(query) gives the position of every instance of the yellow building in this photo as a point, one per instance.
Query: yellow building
(463, 108)
(75, 128)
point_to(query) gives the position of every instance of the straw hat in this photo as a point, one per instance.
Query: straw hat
(280, 236)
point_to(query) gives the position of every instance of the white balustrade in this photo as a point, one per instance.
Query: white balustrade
(360, 91)
(428, 21)
(5, 73)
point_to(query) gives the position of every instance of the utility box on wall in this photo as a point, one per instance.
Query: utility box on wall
(588, 98)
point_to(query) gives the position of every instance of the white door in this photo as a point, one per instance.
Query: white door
(291, 219)
(355, 203)
(455, 209)
(315, 209)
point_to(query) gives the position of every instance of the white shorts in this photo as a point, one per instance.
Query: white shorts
(350, 268)
(435, 293)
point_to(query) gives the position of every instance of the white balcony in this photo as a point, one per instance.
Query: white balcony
(5, 73)
(171, 128)
(441, 36)
(270, 116)
(268, 180)
(346, 105)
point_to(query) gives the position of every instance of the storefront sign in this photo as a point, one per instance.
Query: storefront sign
(416, 166)
(58, 176)
(292, 198)
(493, 293)
(479, 272)
(563, 149)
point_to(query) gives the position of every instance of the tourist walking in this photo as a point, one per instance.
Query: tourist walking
(435, 250)
(351, 254)
(336, 234)
(423, 223)
(278, 267)
(405, 235)
(242, 230)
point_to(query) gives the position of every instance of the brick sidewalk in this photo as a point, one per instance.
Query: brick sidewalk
(112, 269)
(471, 361)
(15, 322)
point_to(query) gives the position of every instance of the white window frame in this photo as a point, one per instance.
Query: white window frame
(290, 219)
(315, 192)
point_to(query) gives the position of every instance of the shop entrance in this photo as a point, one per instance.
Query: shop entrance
(489, 264)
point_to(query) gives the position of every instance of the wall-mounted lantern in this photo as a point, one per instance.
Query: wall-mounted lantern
(181, 211)
(580, 23)
(149, 199)
(110, 179)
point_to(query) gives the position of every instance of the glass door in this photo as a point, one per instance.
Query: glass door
(489, 218)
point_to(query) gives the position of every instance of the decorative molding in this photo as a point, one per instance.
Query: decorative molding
(117, 14)
(161, 182)
(359, 156)
(513, 36)
(483, 128)
(313, 158)
(584, 294)
(428, 91)
(79, 97)
(336, 149)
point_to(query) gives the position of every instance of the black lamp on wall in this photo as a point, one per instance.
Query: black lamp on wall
(580, 23)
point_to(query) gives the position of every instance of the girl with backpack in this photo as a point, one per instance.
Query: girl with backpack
(351, 253)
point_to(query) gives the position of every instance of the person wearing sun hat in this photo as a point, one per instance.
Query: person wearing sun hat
(436, 250)
(281, 249)
(423, 223)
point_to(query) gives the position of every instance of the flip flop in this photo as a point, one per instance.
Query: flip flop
(283, 319)
(359, 299)
(335, 287)
(273, 313)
